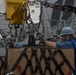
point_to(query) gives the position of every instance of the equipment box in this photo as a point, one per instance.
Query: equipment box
(40, 61)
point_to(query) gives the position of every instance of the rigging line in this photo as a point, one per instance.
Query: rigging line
(47, 13)
(59, 21)
(16, 41)
(33, 24)
(56, 25)
(46, 1)
(42, 23)
(39, 20)
(67, 19)
(39, 34)
(29, 18)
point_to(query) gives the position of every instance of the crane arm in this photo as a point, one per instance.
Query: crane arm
(16, 11)
(18, 16)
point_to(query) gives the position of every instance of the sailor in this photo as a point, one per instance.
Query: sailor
(9, 41)
(68, 41)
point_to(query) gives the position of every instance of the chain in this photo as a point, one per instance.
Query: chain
(39, 34)
(65, 8)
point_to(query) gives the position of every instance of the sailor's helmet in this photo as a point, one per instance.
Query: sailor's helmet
(7, 39)
(67, 30)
